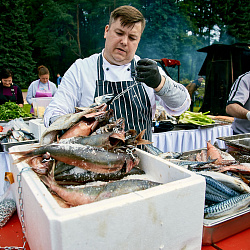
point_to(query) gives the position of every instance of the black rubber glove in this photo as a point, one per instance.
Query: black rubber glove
(148, 72)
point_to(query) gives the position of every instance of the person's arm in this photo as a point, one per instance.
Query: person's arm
(238, 97)
(173, 94)
(31, 92)
(54, 88)
(237, 111)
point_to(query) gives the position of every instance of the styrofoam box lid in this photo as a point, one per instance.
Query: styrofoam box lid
(169, 216)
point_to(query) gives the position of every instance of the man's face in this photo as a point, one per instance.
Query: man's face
(200, 79)
(121, 42)
(7, 82)
(44, 78)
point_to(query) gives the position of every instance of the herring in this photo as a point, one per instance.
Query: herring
(89, 194)
(87, 157)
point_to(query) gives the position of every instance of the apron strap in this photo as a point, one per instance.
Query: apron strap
(100, 71)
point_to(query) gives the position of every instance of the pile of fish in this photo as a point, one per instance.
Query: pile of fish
(227, 179)
(19, 135)
(92, 152)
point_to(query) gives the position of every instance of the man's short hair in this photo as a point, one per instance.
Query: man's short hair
(129, 16)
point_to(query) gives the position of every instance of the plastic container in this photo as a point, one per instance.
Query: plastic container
(40, 104)
(169, 216)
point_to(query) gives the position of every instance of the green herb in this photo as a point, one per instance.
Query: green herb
(195, 118)
(10, 110)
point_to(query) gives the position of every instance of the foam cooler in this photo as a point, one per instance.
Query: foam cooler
(169, 216)
(37, 127)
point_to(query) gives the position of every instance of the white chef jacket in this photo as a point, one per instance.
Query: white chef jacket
(78, 85)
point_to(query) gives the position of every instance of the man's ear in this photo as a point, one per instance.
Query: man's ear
(106, 30)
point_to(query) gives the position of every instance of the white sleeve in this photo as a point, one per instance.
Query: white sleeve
(174, 96)
(76, 89)
(64, 100)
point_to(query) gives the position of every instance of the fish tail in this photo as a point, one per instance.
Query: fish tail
(139, 137)
(141, 141)
(24, 155)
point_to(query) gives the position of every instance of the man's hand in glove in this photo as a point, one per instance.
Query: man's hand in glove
(148, 72)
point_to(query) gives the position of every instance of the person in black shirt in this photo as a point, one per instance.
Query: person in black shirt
(8, 90)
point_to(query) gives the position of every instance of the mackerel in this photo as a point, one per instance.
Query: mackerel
(213, 198)
(192, 164)
(227, 207)
(230, 181)
(220, 186)
(212, 190)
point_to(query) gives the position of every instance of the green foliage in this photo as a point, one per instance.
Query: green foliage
(57, 32)
(10, 110)
(15, 44)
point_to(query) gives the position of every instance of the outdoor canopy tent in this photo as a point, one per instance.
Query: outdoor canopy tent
(222, 66)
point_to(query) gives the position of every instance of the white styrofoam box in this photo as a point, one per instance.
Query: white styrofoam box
(169, 216)
(37, 127)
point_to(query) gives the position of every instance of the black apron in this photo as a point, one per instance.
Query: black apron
(134, 105)
(6, 98)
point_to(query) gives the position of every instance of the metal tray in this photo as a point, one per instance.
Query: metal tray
(240, 142)
(5, 146)
(221, 228)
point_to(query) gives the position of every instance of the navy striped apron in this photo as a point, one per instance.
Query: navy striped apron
(134, 105)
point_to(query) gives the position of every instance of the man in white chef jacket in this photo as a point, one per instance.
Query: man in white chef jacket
(114, 70)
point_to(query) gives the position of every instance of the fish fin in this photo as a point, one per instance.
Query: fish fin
(119, 136)
(141, 134)
(140, 141)
(47, 180)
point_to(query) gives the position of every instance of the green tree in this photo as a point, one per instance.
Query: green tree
(55, 40)
(233, 19)
(15, 45)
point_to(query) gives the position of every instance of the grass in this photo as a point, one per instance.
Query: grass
(27, 107)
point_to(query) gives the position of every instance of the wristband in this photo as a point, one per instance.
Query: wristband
(248, 115)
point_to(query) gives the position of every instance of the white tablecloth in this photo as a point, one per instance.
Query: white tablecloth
(4, 167)
(185, 140)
